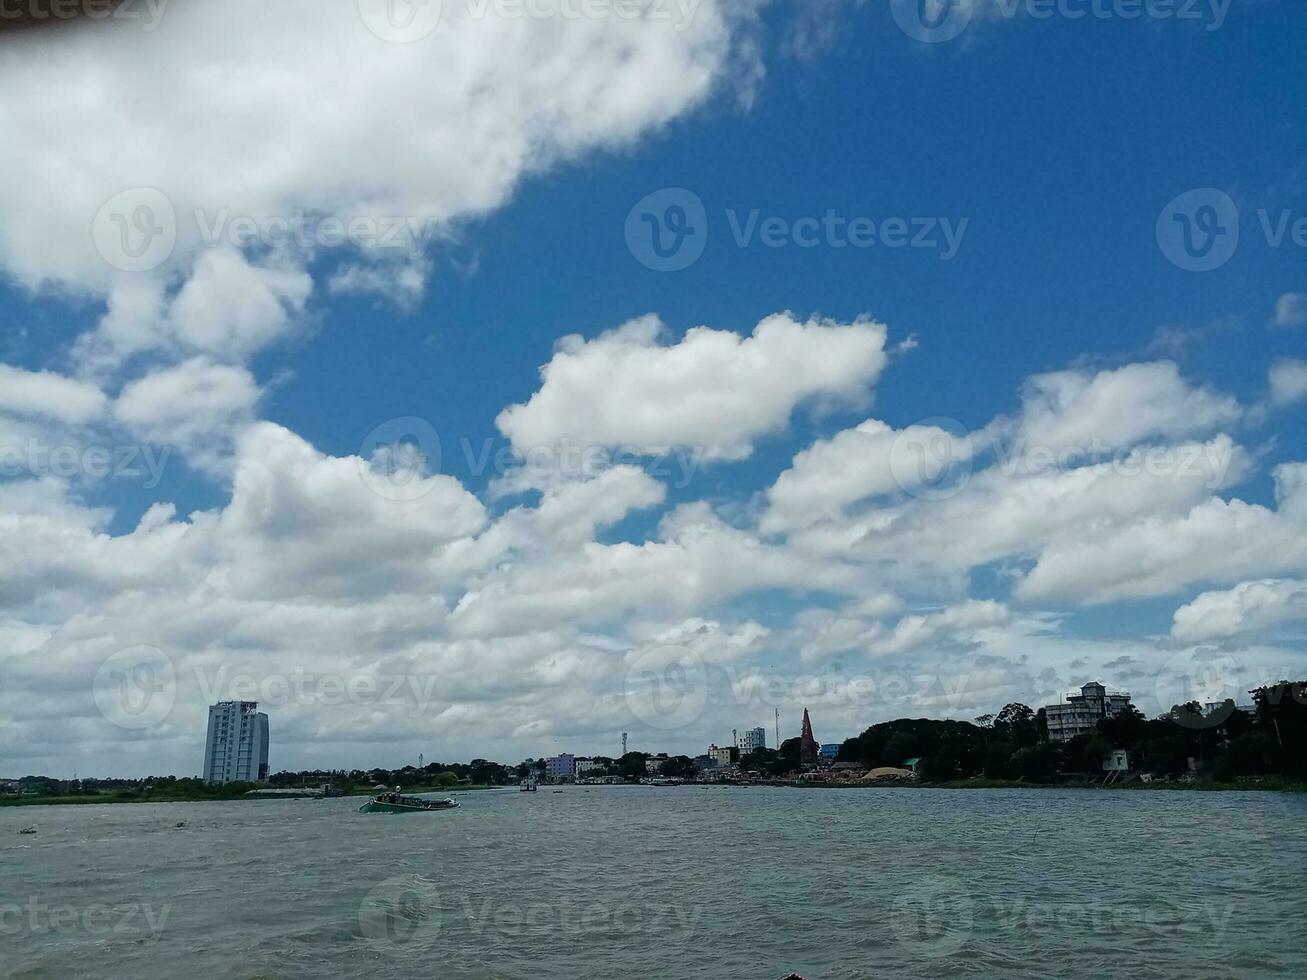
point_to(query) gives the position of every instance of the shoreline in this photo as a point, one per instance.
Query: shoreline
(107, 799)
(1269, 786)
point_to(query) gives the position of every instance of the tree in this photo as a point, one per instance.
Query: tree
(1017, 724)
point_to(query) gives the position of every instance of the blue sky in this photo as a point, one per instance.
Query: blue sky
(1055, 144)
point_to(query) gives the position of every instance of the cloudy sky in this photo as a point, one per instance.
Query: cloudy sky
(488, 380)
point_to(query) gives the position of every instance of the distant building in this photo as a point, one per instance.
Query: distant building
(705, 762)
(829, 751)
(754, 738)
(1079, 714)
(723, 755)
(654, 764)
(809, 752)
(236, 747)
(584, 767)
(1212, 707)
(561, 766)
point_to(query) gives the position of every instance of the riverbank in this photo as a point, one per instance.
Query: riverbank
(1265, 785)
(126, 796)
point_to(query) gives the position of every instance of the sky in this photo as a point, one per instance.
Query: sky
(485, 379)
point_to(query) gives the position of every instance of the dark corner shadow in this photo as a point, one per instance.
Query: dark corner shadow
(25, 16)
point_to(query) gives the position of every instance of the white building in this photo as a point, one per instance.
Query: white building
(721, 756)
(584, 767)
(754, 738)
(1079, 714)
(236, 748)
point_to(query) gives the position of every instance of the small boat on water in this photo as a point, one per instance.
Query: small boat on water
(397, 803)
(529, 786)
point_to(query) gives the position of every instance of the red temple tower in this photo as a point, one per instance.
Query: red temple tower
(808, 747)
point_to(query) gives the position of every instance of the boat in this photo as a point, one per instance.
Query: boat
(529, 786)
(397, 803)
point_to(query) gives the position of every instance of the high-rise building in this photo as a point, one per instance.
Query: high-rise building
(1079, 714)
(808, 748)
(754, 738)
(236, 748)
(561, 766)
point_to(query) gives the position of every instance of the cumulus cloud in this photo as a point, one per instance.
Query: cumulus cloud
(198, 407)
(418, 134)
(1248, 607)
(713, 390)
(50, 395)
(1288, 382)
(1122, 407)
(1215, 541)
(1291, 310)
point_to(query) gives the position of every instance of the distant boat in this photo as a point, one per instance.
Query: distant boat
(395, 803)
(529, 786)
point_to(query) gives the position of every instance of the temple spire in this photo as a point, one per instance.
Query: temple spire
(808, 747)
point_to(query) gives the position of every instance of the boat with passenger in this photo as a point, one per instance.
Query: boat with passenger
(396, 802)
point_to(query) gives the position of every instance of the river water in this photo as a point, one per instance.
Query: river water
(636, 882)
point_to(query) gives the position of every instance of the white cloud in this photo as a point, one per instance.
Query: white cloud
(53, 396)
(1122, 407)
(428, 132)
(1216, 541)
(867, 461)
(1291, 310)
(713, 390)
(1248, 607)
(198, 406)
(1288, 382)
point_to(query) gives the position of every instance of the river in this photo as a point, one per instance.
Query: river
(710, 882)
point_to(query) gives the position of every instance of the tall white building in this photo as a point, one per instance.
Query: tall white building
(1079, 714)
(754, 738)
(236, 749)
